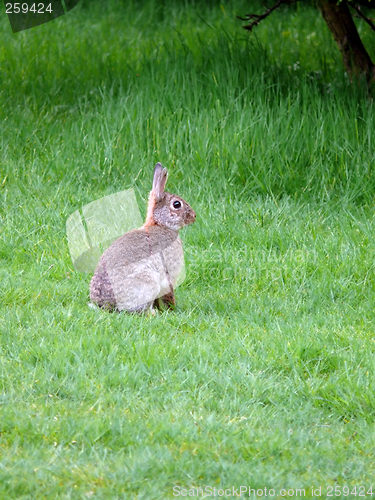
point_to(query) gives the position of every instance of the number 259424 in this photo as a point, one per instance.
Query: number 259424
(16, 8)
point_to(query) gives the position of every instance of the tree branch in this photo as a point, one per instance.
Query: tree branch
(259, 17)
(361, 14)
(370, 4)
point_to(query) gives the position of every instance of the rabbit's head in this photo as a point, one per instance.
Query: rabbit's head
(166, 209)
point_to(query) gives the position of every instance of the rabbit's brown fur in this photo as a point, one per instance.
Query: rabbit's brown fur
(140, 269)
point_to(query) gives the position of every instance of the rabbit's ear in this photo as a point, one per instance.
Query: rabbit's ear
(160, 179)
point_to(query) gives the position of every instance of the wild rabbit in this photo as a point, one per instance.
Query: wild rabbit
(140, 269)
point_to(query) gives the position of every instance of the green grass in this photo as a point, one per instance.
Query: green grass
(264, 374)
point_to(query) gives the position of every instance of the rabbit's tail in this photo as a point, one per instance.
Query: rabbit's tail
(101, 291)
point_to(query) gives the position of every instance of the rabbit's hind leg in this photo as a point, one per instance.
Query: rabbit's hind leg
(143, 309)
(167, 301)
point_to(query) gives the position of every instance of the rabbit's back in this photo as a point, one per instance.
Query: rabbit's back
(137, 268)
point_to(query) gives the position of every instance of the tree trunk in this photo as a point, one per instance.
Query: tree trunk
(340, 22)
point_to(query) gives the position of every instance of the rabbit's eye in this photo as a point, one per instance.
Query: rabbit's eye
(177, 204)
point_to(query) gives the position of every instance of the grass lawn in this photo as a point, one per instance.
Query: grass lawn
(264, 374)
